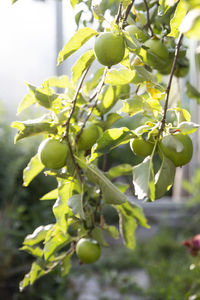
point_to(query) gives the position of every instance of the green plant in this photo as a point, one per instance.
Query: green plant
(53, 153)
(178, 148)
(88, 250)
(85, 185)
(109, 48)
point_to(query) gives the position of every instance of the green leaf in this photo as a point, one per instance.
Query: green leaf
(33, 127)
(112, 231)
(126, 3)
(78, 17)
(60, 208)
(120, 170)
(188, 127)
(78, 40)
(128, 223)
(119, 77)
(111, 119)
(43, 96)
(164, 177)
(92, 83)
(75, 202)
(184, 115)
(143, 179)
(59, 82)
(82, 64)
(192, 92)
(176, 21)
(28, 100)
(33, 168)
(74, 2)
(37, 236)
(66, 265)
(133, 106)
(107, 99)
(97, 12)
(191, 23)
(97, 234)
(51, 195)
(148, 76)
(13, 1)
(37, 270)
(33, 250)
(111, 195)
(55, 240)
(112, 138)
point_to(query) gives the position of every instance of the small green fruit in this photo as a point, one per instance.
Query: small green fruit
(109, 48)
(141, 147)
(88, 250)
(177, 147)
(53, 153)
(140, 34)
(88, 137)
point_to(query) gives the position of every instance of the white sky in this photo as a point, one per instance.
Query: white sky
(28, 45)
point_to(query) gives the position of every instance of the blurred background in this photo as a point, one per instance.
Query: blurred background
(32, 34)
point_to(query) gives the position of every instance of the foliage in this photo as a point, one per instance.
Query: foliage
(104, 98)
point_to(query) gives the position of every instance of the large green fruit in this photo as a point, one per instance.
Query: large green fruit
(88, 250)
(157, 54)
(88, 137)
(141, 147)
(140, 34)
(53, 153)
(177, 147)
(109, 48)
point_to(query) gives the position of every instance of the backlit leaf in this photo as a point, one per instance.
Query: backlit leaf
(119, 77)
(133, 105)
(188, 127)
(51, 195)
(33, 168)
(75, 202)
(78, 40)
(176, 21)
(82, 64)
(28, 100)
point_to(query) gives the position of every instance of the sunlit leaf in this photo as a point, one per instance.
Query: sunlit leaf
(176, 21)
(33, 168)
(123, 169)
(92, 83)
(143, 180)
(59, 82)
(28, 100)
(33, 127)
(188, 127)
(107, 99)
(66, 265)
(133, 105)
(191, 23)
(37, 236)
(75, 202)
(78, 40)
(82, 64)
(164, 177)
(33, 250)
(112, 231)
(51, 195)
(119, 77)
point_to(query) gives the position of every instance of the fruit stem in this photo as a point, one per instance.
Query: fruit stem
(98, 91)
(178, 45)
(148, 24)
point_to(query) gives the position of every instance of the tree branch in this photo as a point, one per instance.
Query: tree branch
(126, 13)
(98, 91)
(119, 14)
(148, 24)
(169, 83)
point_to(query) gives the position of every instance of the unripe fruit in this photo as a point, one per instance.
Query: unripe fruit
(109, 48)
(88, 250)
(156, 50)
(141, 147)
(178, 148)
(140, 34)
(88, 137)
(53, 153)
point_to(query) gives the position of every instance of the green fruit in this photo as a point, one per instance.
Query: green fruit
(182, 67)
(140, 34)
(53, 153)
(88, 137)
(109, 48)
(157, 54)
(88, 250)
(178, 148)
(141, 147)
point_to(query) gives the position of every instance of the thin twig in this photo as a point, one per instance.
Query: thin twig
(119, 14)
(98, 91)
(169, 83)
(74, 100)
(127, 11)
(148, 24)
